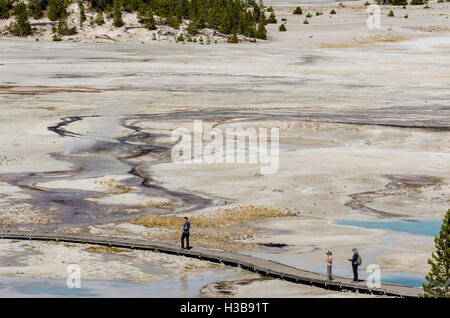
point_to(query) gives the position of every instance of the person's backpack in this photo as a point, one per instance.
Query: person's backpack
(359, 260)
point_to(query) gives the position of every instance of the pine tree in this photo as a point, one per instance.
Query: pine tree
(257, 13)
(261, 33)
(298, 11)
(21, 26)
(439, 276)
(271, 19)
(117, 14)
(36, 9)
(56, 8)
(4, 11)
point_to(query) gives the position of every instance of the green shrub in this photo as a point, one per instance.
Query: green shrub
(56, 37)
(63, 29)
(417, 2)
(309, 15)
(282, 28)
(390, 14)
(269, 9)
(283, 19)
(272, 19)
(406, 16)
(305, 22)
(233, 38)
(100, 20)
(367, 3)
(173, 22)
(192, 28)
(180, 38)
(332, 11)
(298, 10)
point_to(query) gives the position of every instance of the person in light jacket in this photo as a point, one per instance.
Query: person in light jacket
(329, 265)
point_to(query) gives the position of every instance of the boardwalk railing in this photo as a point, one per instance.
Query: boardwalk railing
(255, 264)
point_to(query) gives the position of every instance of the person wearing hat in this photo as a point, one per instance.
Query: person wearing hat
(356, 261)
(329, 265)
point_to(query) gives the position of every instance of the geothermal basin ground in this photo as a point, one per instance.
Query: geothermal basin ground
(364, 136)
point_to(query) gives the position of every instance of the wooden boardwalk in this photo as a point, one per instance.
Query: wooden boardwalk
(255, 264)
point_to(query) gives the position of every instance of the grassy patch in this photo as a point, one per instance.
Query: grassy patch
(104, 249)
(222, 230)
(113, 185)
(367, 41)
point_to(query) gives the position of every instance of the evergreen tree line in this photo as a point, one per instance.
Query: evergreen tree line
(246, 17)
(227, 16)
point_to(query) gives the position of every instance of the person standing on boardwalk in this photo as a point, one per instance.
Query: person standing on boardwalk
(186, 232)
(356, 261)
(329, 265)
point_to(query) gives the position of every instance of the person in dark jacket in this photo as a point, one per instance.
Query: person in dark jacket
(355, 264)
(186, 232)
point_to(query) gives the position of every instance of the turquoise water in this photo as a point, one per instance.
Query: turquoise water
(405, 279)
(50, 288)
(418, 227)
(179, 286)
